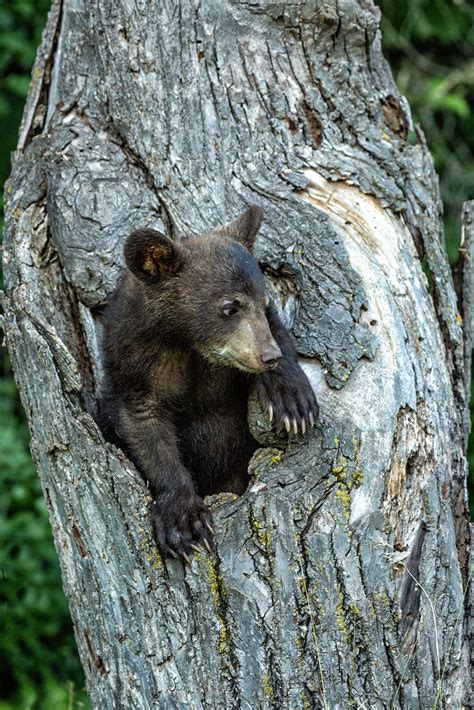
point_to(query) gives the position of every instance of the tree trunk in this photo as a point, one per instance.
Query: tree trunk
(341, 577)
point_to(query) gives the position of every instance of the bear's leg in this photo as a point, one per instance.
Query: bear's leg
(217, 447)
(285, 392)
(180, 519)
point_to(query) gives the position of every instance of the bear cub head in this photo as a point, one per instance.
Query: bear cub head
(206, 293)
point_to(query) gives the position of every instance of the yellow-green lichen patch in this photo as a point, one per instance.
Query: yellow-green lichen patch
(382, 606)
(148, 548)
(348, 474)
(339, 471)
(260, 531)
(268, 690)
(197, 556)
(155, 561)
(219, 595)
(357, 478)
(343, 495)
(357, 475)
(349, 621)
(354, 609)
(340, 468)
(341, 622)
(302, 585)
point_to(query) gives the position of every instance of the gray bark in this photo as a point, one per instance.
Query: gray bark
(340, 578)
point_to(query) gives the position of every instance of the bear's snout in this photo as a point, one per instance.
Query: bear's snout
(271, 356)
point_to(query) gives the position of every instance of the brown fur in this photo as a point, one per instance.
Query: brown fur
(179, 362)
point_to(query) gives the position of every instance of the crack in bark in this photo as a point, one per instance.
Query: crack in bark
(411, 590)
(34, 114)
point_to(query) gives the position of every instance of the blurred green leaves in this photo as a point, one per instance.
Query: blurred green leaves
(21, 24)
(37, 651)
(38, 657)
(17, 84)
(430, 47)
(443, 94)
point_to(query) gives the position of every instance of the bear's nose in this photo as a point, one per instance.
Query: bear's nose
(271, 355)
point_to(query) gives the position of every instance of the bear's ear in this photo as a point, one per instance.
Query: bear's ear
(244, 229)
(151, 256)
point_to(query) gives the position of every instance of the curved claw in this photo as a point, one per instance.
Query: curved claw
(208, 526)
(186, 558)
(311, 419)
(303, 426)
(196, 548)
(270, 412)
(295, 426)
(206, 545)
(286, 421)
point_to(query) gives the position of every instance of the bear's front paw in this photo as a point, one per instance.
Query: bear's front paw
(286, 395)
(181, 522)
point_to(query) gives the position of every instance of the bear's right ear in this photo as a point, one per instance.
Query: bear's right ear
(244, 229)
(151, 256)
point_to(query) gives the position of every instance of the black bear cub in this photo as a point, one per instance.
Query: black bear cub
(187, 330)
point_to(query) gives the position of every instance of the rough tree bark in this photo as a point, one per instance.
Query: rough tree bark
(341, 576)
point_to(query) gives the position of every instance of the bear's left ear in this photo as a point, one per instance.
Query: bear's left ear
(151, 256)
(244, 229)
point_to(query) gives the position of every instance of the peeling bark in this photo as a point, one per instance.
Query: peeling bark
(341, 577)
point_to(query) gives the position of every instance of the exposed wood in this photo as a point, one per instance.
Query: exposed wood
(463, 281)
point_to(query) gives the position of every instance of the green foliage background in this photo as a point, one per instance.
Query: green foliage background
(38, 659)
(430, 47)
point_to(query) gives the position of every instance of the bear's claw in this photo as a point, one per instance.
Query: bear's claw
(286, 395)
(181, 525)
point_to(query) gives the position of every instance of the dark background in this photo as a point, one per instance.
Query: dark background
(430, 46)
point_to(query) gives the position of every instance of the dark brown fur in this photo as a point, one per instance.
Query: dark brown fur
(178, 366)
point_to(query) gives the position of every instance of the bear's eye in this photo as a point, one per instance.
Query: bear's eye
(230, 309)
